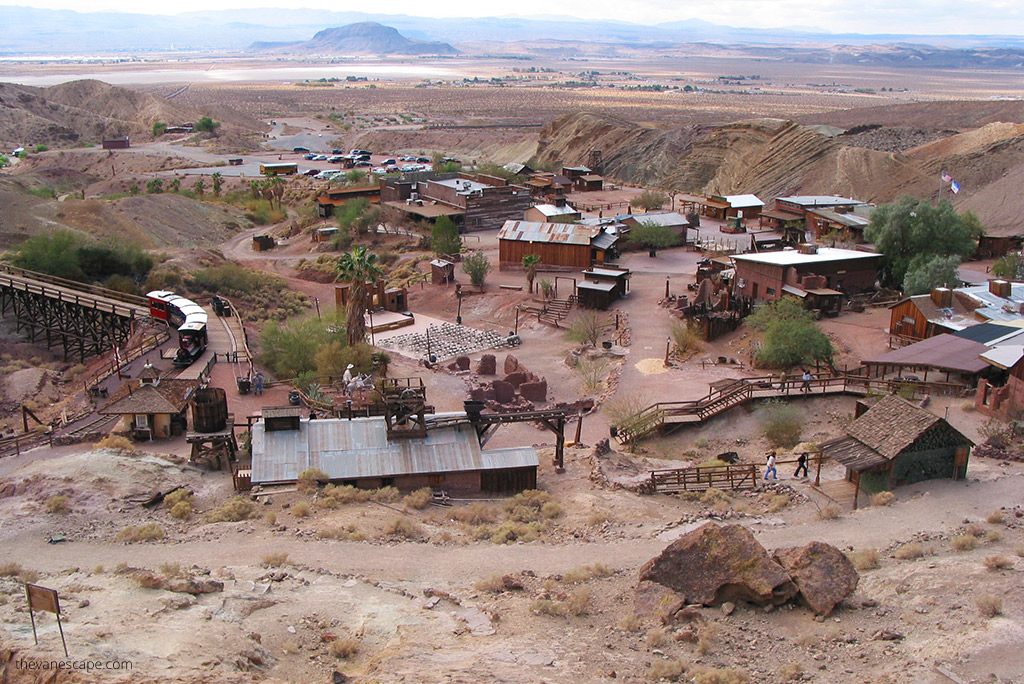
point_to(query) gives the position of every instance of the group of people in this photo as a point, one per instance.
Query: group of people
(801, 465)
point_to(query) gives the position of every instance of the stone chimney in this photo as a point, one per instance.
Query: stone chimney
(1000, 288)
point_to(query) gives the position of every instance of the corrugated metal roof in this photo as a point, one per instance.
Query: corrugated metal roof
(359, 448)
(944, 352)
(818, 200)
(744, 201)
(533, 231)
(1004, 356)
(791, 257)
(667, 218)
(604, 241)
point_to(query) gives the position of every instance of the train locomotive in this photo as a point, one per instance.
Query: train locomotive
(188, 317)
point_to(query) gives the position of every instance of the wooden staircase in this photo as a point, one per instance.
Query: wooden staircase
(553, 311)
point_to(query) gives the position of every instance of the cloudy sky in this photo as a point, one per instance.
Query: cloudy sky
(996, 17)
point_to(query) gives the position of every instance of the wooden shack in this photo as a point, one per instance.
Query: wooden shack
(442, 272)
(119, 142)
(568, 245)
(261, 243)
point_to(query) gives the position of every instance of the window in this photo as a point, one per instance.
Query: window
(387, 482)
(141, 421)
(769, 292)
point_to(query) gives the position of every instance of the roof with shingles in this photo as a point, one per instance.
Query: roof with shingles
(893, 424)
(168, 396)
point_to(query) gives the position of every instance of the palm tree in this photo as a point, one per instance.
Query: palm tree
(530, 264)
(358, 267)
(218, 182)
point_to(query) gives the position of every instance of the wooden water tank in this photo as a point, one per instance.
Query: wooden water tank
(210, 410)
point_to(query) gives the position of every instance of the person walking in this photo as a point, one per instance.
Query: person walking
(258, 383)
(770, 470)
(801, 464)
(806, 387)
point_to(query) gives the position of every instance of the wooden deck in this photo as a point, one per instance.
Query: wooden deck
(839, 492)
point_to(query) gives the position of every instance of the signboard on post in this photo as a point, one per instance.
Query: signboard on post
(41, 598)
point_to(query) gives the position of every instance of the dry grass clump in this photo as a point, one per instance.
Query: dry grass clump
(493, 584)
(150, 580)
(234, 509)
(669, 670)
(713, 495)
(476, 513)
(909, 551)
(343, 648)
(301, 510)
(29, 576)
(688, 340)
(830, 512)
(140, 533)
(656, 637)
(988, 605)
(864, 559)
(418, 499)
(630, 622)
(531, 505)
(173, 570)
(274, 560)
(778, 502)
(578, 602)
(714, 675)
(349, 532)
(386, 494)
(975, 529)
(585, 573)
(992, 536)
(597, 518)
(270, 518)
(344, 494)
(998, 562)
(791, 672)
(706, 638)
(543, 606)
(10, 569)
(310, 479)
(995, 518)
(115, 442)
(509, 531)
(403, 527)
(180, 503)
(57, 504)
(882, 498)
(964, 542)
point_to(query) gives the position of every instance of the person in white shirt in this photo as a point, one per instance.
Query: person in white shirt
(770, 470)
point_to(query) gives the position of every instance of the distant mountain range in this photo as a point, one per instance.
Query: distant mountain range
(40, 31)
(364, 38)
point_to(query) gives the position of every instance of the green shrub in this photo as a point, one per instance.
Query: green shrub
(781, 423)
(57, 504)
(476, 266)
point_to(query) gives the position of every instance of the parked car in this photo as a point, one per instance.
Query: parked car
(320, 157)
(300, 150)
(407, 168)
(379, 171)
(310, 172)
(363, 163)
(423, 160)
(388, 161)
(363, 157)
(337, 151)
(336, 159)
(309, 156)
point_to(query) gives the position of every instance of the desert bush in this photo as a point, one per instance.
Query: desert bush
(830, 512)
(687, 340)
(592, 372)
(992, 536)
(57, 504)
(670, 670)
(988, 605)
(140, 533)
(791, 672)
(909, 551)
(349, 532)
(274, 560)
(713, 675)
(29, 576)
(545, 606)
(713, 495)
(882, 498)
(975, 530)
(578, 602)
(995, 518)
(706, 638)
(998, 562)
(493, 584)
(418, 499)
(510, 531)
(234, 509)
(115, 442)
(656, 637)
(150, 580)
(345, 494)
(630, 622)
(585, 573)
(270, 518)
(964, 542)
(344, 648)
(778, 502)
(864, 559)
(529, 505)
(475, 513)
(301, 510)
(597, 518)
(10, 569)
(403, 527)
(586, 327)
(173, 570)
(310, 479)
(476, 266)
(386, 494)
(781, 423)
(177, 496)
(702, 442)
(182, 510)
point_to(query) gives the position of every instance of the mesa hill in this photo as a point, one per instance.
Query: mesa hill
(364, 38)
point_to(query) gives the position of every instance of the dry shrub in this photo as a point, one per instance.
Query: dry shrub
(781, 423)
(998, 562)
(419, 499)
(173, 570)
(510, 531)
(349, 532)
(476, 513)
(57, 504)
(551, 510)
(670, 670)
(713, 495)
(989, 606)
(403, 527)
(975, 529)
(150, 580)
(714, 675)
(592, 372)
(98, 570)
(274, 560)
(791, 672)
(115, 442)
(270, 518)
(585, 573)
(344, 648)
(995, 518)
(578, 602)
(909, 551)
(596, 518)
(141, 533)
(310, 479)
(706, 638)
(864, 559)
(10, 569)
(180, 503)
(992, 536)
(830, 512)
(688, 340)
(656, 637)
(545, 606)
(234, 509)
(301, 510)
(344, 494)
(29, 576)
(182, 510)
(386, 494)
(778, 502)
(964, 542)
(882, 498)
(629, 622)
(531, 505)
(493, 584)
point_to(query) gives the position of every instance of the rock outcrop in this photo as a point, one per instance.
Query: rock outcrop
(822, 573)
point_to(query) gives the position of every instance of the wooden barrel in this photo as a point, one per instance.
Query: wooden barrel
(210, 410)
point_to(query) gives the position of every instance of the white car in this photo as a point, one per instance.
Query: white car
(326, 175)
(379, 171)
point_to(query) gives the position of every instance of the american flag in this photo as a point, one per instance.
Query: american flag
(946, 178)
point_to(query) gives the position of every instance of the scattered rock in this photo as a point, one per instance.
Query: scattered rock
(504, 393)
(338, 678)
(488, 365)
(822, 573)
(511, 583)
(511, 364)
(462, 362)
(656, 601)
(195, 586)
(887, 635)
(728, 607)
(177, 602)
(534, 391)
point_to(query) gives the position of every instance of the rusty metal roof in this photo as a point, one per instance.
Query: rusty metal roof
(944, 352)
(359, 448)
(564, 233)
(853, 454)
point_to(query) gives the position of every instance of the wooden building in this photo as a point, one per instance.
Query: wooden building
(477, 202)
(922, 316)
(946, 357)
(805, 206)
(336, 197)
(378, 296)
(359, 452)
(118, 142)
(745, 207)
(896, 443)
(602, 286)
(569, 245)
(762, 276)
(442, 272)
(849, 223)
(152, 407)
(552, 213)
(588, 183)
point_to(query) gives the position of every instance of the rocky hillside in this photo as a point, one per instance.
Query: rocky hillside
(772, 157)
(81, 112)
(364, 38)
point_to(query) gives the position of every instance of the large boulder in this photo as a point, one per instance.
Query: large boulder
(504, 393)
(462, 362)
(822, 573)
(488, 365)
(712, 564)
(534, 391)
(511, 364)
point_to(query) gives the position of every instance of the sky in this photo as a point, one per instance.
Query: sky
(956, 17)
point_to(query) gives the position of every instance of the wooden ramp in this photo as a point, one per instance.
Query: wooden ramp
(839, 492)
(699, 478)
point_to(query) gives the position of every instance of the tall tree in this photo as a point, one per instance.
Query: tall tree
(927, 272)
(530, 264)
(444, 237)
(909, 228)
(358, 267)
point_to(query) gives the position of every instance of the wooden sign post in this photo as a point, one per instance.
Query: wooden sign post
(41, 598)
